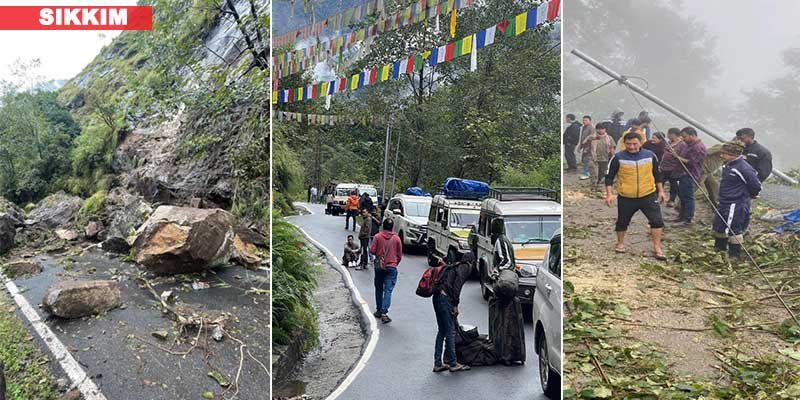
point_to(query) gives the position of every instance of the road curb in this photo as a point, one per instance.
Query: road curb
(357, 299)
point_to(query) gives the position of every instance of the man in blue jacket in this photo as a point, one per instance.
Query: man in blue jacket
(739, 184)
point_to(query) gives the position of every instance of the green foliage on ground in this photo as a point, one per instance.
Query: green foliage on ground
(91, 208)
(294, 279)
(26, 369)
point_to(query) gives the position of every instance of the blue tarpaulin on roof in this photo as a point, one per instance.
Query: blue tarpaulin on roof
(417, 191)
(465, 188)
(792, 223)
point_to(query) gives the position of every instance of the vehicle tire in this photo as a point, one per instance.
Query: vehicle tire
(549, 379)
(452, 255)
(485, 292)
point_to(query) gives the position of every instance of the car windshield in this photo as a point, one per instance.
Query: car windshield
(372, 192)
(343, 192)
(460, 219)
(417, 209)
(531, 229)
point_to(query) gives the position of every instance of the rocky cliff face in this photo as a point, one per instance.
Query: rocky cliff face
(156, 155)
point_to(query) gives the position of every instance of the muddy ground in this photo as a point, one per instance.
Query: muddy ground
(118, 349)
(690, 309)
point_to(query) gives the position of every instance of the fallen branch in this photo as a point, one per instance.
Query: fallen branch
(597, 363)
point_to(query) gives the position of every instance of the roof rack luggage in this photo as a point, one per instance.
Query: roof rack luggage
(523, 193)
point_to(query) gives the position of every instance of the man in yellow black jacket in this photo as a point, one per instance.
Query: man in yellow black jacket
(640, 187)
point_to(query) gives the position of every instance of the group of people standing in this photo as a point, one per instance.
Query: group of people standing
(638, 164)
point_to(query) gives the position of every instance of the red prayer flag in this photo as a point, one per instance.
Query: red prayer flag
(448, 51)
(314, 91)
(552, 9)
(373, 75)
(410, 65)
(502, 26)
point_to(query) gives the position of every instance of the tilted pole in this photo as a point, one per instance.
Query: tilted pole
(678, 113)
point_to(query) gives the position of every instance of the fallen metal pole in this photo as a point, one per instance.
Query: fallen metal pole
(678, 113)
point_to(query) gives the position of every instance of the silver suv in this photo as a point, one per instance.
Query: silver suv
(410, 217)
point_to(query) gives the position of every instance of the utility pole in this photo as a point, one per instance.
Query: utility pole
(623, 80)
(394, 167)
(386, 161)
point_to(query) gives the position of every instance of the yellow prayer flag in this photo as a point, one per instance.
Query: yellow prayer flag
(323, 89)
(453, 24)
(520, 23)
(466, 45)
(354, 82)
(274, 97)
(385, 72)
(299, 95)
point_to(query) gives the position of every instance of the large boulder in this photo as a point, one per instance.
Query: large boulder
(78, 299)
(127, 213)
(12, 211)
(8, 232)
(56, 210)
(177, 240)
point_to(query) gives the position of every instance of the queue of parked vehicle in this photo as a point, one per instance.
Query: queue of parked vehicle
(459, 221)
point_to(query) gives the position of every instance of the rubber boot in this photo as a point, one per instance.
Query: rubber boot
(721, 244)
(735, 251)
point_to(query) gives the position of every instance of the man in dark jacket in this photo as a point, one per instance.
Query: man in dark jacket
(387, 246)
(446, 298)
(368, 225)
(692, 157)
(739, 183)
(758, 156)
(572, 136)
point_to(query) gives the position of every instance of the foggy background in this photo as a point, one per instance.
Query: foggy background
(729, 64)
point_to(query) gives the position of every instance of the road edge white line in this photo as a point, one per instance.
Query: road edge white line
(374, 332)
(76, 374)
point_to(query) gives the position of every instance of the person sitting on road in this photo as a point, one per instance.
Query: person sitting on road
(739, 183)
(446, 297)
(388, 251)
(351, 252)
(351, 210)
(640, 187)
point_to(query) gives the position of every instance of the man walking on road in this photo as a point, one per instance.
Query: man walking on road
(640, 187)
(313, 194)
(758, 156)
(739, 184)
(572, 137)
(446, 297)
(692, 158)
(388, 251)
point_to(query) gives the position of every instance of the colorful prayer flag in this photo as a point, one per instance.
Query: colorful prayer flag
(520, 23)
(466, 45)
(453, 24)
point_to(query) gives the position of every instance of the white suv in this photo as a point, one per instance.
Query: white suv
(410, 217)
(547, 319)
(449, 223)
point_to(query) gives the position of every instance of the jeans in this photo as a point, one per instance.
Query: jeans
(446, 335)
(686, 194)
(350, 214)
(371, 256)
(364, 251)
(673, 189)
(586, 164)
(384, 284)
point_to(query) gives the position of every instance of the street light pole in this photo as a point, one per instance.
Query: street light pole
(678, 113)
(386, 162)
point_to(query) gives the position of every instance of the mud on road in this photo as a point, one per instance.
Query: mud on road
(681, 318)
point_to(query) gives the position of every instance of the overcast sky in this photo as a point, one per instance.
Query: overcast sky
(63, 54)
(750, 35)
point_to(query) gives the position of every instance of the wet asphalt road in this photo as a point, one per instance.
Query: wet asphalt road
(400, 367)
(110, 347)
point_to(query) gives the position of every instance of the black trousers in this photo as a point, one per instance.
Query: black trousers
(569, 154)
